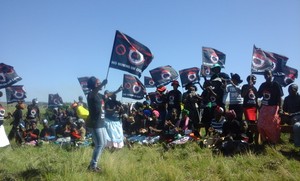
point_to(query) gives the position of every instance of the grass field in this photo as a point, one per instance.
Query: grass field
(188, 162)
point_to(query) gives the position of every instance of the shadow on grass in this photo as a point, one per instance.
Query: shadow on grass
(291, 154)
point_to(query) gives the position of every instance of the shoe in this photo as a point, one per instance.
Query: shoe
(94, 169)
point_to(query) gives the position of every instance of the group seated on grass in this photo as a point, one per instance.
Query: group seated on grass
(141, 124)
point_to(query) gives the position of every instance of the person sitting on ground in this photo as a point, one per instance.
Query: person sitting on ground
(33, 113)
(170, 125)
(218, 121)
(291, 108)
(31, 135)
(231, 127)
(47, 133)
(184, 125)
(78, 132)
(152, 124)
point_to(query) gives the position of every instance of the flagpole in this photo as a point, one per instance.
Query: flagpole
(111, 56)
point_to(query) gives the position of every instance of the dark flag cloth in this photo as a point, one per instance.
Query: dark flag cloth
(189, 75)
(54, 100)
(15, 93)
(83, 84)
(212, 56)
(205, 71)
(263, 60)
(133, 88)
(163, 75)
(8, 76)
(149, 82)
(287, 77)
(129, 55)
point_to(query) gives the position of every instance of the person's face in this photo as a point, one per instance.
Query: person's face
(98, 83)
(268, 76)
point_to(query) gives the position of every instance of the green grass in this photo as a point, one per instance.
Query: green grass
(185, 162)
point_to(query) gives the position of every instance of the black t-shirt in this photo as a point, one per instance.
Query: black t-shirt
(96, 110)
(291, 104)
(271, 93)
(33, 112)
(250, 97)
(174, 99)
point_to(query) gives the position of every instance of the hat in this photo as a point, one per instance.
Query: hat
(236, 77)
(175, 82)
(293, 87)
(156, 113)
(161, 88)
(216, 66)
(147, 112)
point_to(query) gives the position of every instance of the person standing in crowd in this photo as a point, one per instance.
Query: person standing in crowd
(192, 102)
(18, 125)
(113, 112)
(96, 123)
(291, 112)
(81, 102)
(161, 105)
(33, 113)
(3, 137)
(174, 99)
(235, 98)
(268, 123)
(250, 105)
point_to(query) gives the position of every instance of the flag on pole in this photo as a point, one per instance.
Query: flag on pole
(211, 56)
(163, 75)
(189, 75)
(8, 76)
(264, 60)
(149, 82)
(15, 93)
(83, 84)
(129, 55)
(133, 88)
(287, 77)
(54, 100)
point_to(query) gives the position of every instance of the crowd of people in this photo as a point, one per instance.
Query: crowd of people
(224, 108)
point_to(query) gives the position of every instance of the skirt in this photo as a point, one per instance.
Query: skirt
(3, 137)
(268, 123)
(115, 137)
(250, 113)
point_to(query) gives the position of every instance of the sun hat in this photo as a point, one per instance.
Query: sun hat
(236, 77)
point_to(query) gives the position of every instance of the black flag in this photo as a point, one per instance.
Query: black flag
(129, 55)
